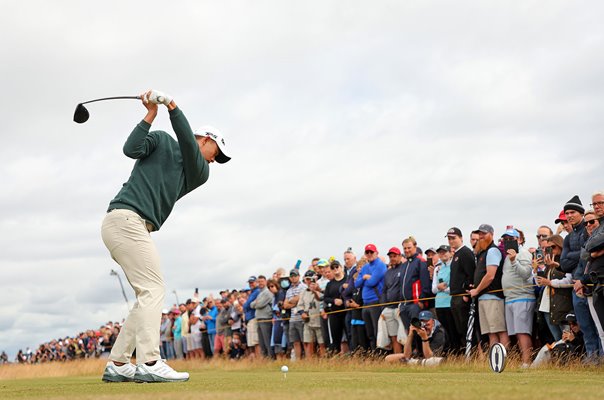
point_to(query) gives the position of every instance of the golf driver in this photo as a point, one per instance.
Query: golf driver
(81, 114)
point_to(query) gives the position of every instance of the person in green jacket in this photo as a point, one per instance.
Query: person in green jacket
(165, 170)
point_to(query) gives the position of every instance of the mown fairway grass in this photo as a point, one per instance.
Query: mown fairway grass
(329, 379)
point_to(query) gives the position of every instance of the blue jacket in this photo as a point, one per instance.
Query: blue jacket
(416, 279)
(248, 311)
(392, 286)
(372, 287)
(211, 323)
(571, 252)
(347, 293)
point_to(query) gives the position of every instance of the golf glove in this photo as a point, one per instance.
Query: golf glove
(158, 97)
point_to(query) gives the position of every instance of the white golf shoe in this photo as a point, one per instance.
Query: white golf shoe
(160, 372)
(119, 373)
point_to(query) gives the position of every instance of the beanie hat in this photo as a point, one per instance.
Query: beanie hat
(574, 204)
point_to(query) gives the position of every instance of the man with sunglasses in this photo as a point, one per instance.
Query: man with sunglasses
(569, 262)
(594, 255)
(165, 170)
(333, 303)
(392, 295)
(296, 325)
(371, 283)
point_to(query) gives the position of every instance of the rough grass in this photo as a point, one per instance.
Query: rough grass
(348, 379)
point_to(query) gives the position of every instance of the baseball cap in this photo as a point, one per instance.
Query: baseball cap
(309, 274)
(454, 231)
(561, 217)
(485, 228)
(511, 232)
(164, 311)
(570, 317)
(371, 247)
(195, 300)
(251, 279)
(394, 250)
(431, 249)
(444, 248)
(294, 272)
(322, 263)
(215, 135)
(425, 315)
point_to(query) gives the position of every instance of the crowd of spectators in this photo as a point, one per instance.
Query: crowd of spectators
(456, 298)
(88, 344)
(416, 304)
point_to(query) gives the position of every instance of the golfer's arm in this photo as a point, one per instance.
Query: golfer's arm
(194, 164)
(140, 143)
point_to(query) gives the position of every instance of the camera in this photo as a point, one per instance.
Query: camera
(596, 278)
(548, 251)
(417, 323)
(539, 253)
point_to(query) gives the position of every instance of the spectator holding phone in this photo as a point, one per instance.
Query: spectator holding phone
(556, 299)
(517, 283)
(310, 307)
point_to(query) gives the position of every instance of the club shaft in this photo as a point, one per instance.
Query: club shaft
(112, 98)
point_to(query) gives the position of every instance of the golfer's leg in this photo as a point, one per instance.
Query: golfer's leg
(114, 232)
(149, 284)
(126, 340)
(130, 244)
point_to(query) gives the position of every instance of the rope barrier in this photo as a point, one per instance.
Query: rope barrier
(403, 301)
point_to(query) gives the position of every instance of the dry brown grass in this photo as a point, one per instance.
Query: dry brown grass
(94, 367)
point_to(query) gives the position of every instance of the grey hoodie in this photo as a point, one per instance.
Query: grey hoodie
(263, 304)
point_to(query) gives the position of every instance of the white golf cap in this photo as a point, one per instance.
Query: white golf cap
(216, 136)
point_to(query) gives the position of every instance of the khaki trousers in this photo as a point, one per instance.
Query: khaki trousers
(126, 237)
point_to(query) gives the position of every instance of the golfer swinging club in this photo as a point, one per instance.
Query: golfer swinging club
(164, 172)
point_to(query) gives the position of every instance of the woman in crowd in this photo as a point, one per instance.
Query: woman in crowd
(556, 299)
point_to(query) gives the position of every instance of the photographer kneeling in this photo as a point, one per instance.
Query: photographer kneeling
(425, 342)
(570, 347)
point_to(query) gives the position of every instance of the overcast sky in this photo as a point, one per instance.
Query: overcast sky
(349, 122)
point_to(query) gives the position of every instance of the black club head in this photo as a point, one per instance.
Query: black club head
(81, 114)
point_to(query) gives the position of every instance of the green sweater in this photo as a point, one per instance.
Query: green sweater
(164, 172)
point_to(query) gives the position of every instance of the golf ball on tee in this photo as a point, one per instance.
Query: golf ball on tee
(284, 369)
